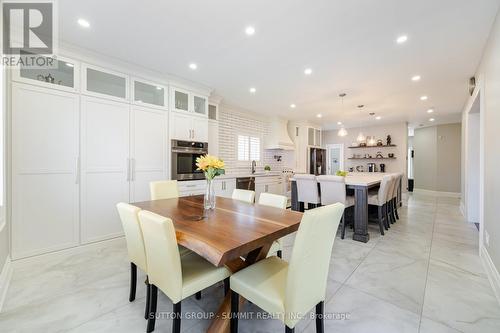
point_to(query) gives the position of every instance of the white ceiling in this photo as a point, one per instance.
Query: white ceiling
(350, 45)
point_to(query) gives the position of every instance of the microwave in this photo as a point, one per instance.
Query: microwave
(184, 155)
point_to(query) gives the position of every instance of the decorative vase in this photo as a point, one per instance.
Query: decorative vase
(209, 200)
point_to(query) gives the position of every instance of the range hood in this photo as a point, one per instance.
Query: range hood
(278, 136)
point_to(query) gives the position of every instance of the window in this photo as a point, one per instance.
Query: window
(248, 148)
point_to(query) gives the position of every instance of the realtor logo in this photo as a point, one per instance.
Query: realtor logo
(29, 31)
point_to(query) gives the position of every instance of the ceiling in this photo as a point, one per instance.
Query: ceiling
(350, 46)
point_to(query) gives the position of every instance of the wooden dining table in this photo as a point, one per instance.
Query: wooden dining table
(235, 234)
(361, 183)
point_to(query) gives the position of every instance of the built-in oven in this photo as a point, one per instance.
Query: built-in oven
(184, 155)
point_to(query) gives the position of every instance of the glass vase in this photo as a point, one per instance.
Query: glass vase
(209, 200)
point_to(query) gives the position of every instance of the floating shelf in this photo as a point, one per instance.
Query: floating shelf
(371, 158)
(354, 147)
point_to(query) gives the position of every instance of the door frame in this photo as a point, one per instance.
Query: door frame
(334, 145)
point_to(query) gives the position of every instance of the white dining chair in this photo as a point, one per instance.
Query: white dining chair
(395, 191)
(178, 277)
(389, 207)
(307, 190)
(244, 195)
(277, 201)
(333, 190)
(164, 189)
(379, 199)
(291, 290)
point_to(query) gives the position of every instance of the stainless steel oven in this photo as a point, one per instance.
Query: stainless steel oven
(184, 155)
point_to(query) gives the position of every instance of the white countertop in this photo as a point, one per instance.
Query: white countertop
(363, 178)
(258, 174)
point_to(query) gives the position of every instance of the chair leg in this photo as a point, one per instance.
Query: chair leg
(198, 295)
(133, 281)
(396, 209)
(235, 300)
(148, 296)
(280, 254)
(289, 330)
(342, 233)
(380, 220)
(176, 323)
(152, 308)
(320, 324)
(226, 286)
(384, 217)
(387, 219)
(301, 207)
(393, 210)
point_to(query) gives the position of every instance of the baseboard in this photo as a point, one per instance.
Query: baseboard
(437, 193)
(5, 277)
(491, 272)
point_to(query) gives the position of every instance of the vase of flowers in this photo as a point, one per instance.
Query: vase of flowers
(211, 167)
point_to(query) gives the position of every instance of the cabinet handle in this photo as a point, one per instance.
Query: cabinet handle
(193, 134)
(77, 170)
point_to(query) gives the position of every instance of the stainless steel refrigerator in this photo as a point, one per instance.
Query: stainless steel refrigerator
(317, 161)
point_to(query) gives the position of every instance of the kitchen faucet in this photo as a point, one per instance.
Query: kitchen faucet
(254, 165)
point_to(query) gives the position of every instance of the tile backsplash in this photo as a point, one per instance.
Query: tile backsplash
(233, 122)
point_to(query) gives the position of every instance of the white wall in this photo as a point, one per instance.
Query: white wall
(425, 160)
(399, 135)
(4, 233)
(488, 77)
(473, 167)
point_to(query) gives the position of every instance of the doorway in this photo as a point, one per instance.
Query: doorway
(335, 158)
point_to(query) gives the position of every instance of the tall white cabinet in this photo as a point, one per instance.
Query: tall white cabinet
(45, 182)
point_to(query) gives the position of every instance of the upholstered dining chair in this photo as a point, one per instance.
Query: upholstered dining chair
(333, 190)
(277, 201)
(389, 207)
(307, 190)
(379, 199)
(244, 195)
(291, 290)
(394, 199)
(164, 189)
(178, 277)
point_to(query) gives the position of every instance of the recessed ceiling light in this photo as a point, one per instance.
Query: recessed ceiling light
(253, 90)
(308, 71)
(401, 39)
(293, 106)
(416, 78)
(424, 98)
(339, 123)
(430, 111)
(193, 66)
(70, 64)
(250, 30)
(83, 23)
(319, 115)
(378, 117)
(432, 119)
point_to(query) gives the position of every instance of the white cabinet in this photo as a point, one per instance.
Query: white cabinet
(105, 169)
(314, 137)
(105, 83)
(186, 101)
(224, 187)
(187, 127)
(45, 189)
(213, 138)
(149, 94)
(148, 150)
(269, 184)
(192, 187)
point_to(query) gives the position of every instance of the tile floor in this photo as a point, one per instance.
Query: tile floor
(424, 276)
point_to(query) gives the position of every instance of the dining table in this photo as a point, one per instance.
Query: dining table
(361, 184)
(234, 234)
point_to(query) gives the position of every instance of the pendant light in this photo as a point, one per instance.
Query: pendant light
(361, 137)
(342, 131)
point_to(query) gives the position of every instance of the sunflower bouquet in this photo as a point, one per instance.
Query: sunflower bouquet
(210, 165)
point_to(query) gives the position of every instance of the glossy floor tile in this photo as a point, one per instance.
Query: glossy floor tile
(424, 275)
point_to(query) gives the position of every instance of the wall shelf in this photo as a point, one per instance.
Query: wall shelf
(384, 146)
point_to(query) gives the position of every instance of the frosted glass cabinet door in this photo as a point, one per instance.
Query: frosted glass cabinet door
(106, 83)
(145, 93)
(317, 134)
(310, 136)
(200, 105)
(181, 100)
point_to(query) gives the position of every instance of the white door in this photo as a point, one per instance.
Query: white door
(335, 158)
(200, 129)
(45, 189)
(105, 166)
(148, 150)
(181, 126)
(213, 138)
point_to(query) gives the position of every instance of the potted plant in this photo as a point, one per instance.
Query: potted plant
(211, 167)
(267, 168)
(341, 173)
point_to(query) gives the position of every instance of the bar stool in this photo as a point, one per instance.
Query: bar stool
(307, 191)
(379, 199)
(333, 190)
